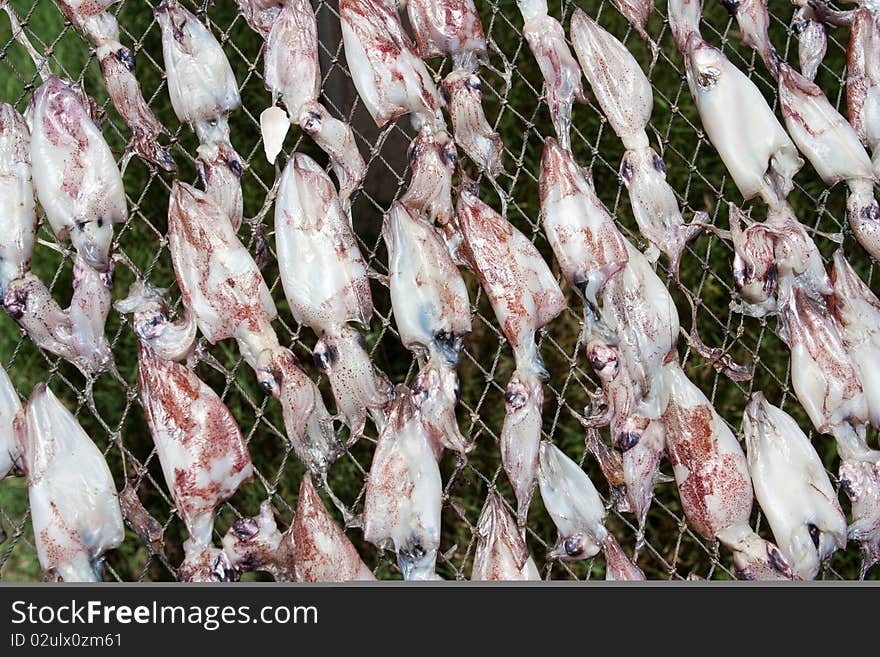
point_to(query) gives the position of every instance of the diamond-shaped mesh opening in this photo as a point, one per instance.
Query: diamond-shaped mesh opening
(514, 103)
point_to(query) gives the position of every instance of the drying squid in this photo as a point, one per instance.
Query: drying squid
(167, 339)
(501, 553)
(94, 20)
(626, 98)
(579, 514)
(323, 552)
(10, 457)
(833, 147)
(74, 173)
(389, 76)
(431, 309)
(754, 21)
(18, 222)
(637, 13)
(713, 479)
(432, 161)
(255, 544)
(73, 502)
(828, 385)
(292, 73)
(562, 75)
(812, 37)
(453, 27)
(684, 19)
(730, 105)
(325, 281)
(863, 80)
(201, 449)
(404, 492)
(771, 258)
(792, 487)
(857, 311)
(222, 287)
(525, 297)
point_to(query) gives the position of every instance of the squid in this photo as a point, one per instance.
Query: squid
(77, 333)
(432, 161)
(771, 258)
(792, 487)
(453, 27)
(833, 147)
(626, 98)
(684, 19)
(389, 76)
(730, 105)
(754, 22)
(812, 37)
(10, 405)
(501, 553)
(202, 452)
(637, 13)
(94, 21)
(255, 544)
(325, 281)
(73, 501)
(75, 175)
(404, 492)
(292, 73)
(579, 514)
(222, 287)
(18, 222)
(857, 311)
(562, 75)
(203, 92)
(431, 309)
(323, 551)
(525, 297)
(713, 480)
(863, 80)
(167, 339)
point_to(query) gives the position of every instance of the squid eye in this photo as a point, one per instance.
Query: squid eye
(573, 546)
(814, 534)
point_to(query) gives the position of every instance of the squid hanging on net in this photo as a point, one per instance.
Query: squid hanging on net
(223, 288)
(828, 385)
(93, 19)
(730, 106)
(393, 81)
(73, 501)
(323, 552)
(754, 22)
(202, 452)
(66, 161)
(713, 479)
(627, 99)
(256, 545)
(203, 92)
(432, 312)
(525, 297)
(684, 19)
(325, 281)
(562, 75)
(863, 80)
(404, 492)
(792, 487)
(637, 13)
(10, 405)
(579, 514)
(501, 553)
(833, 147)
(453, 27)
(292, 72)
(811, 22)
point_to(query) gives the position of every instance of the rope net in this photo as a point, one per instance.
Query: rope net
(513, 98)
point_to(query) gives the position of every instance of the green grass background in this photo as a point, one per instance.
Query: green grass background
(695, 172)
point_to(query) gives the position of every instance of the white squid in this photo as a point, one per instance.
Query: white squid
(73, 501)
(10, 405)
(754, 22)
(431, 309)
(18, 222)
(404, 492)
(325, 281)
(562, 75)
(792, 487)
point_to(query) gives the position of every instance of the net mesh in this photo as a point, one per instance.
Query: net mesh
(109, 410)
